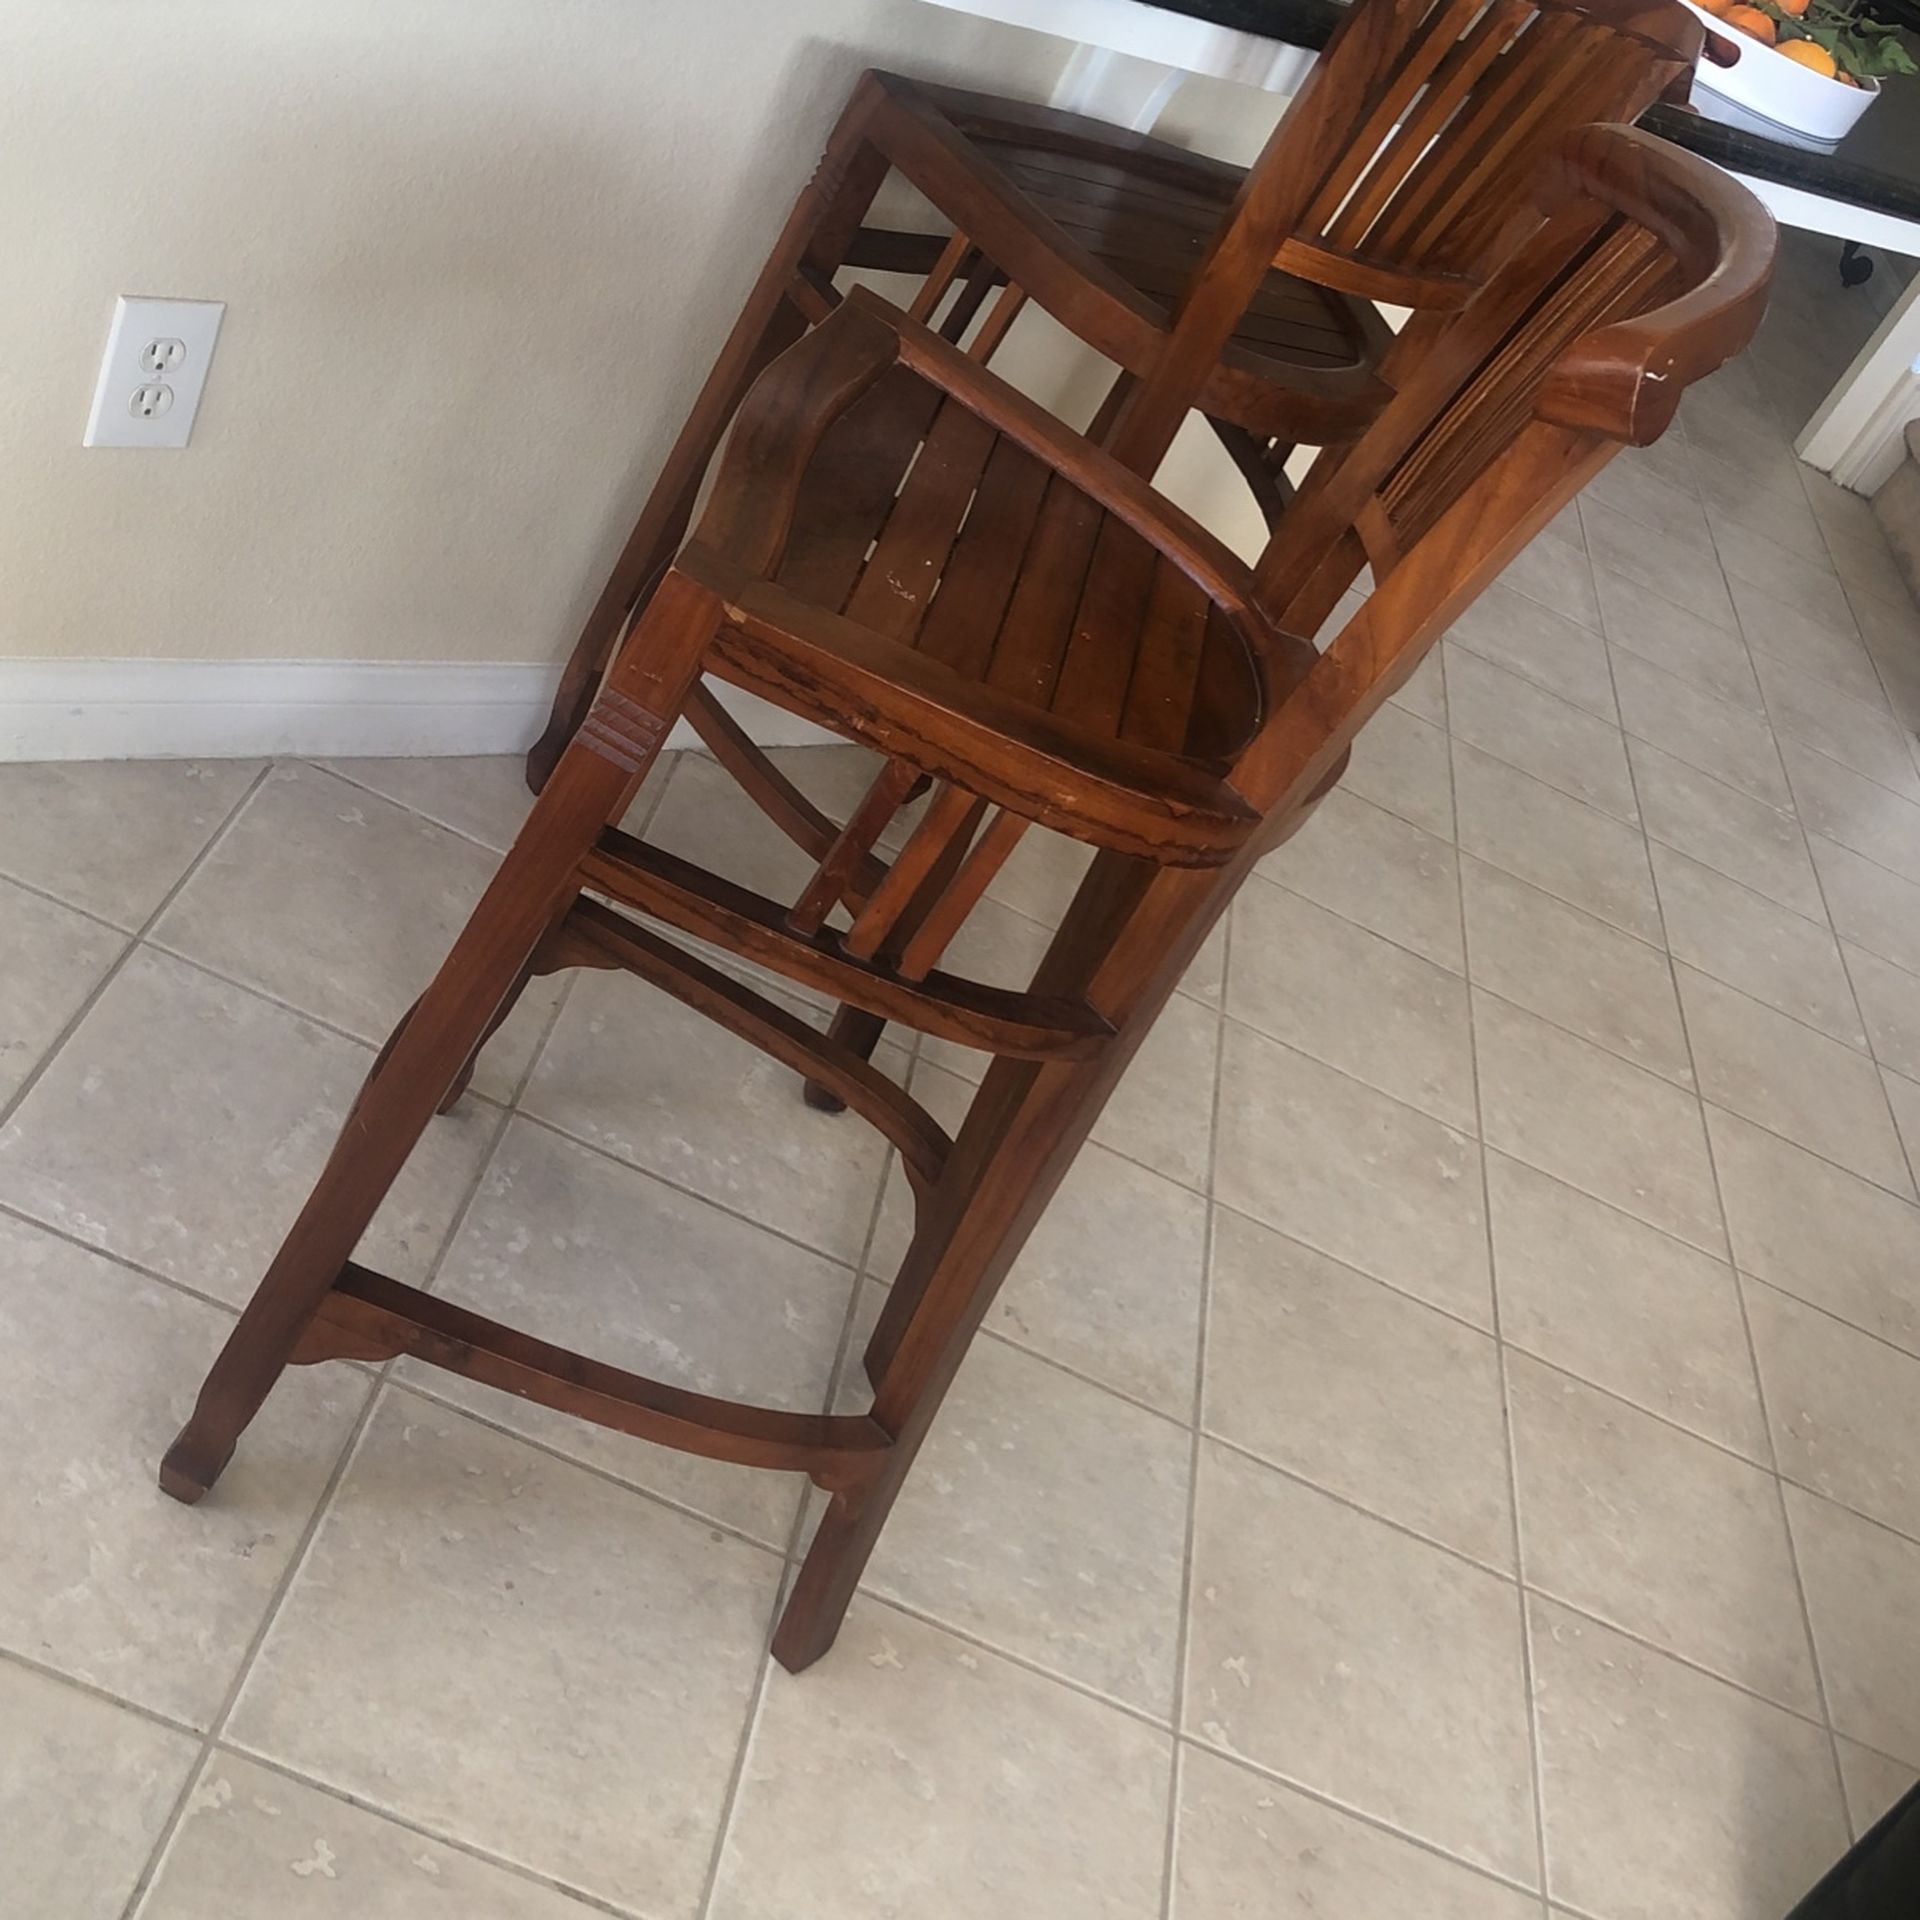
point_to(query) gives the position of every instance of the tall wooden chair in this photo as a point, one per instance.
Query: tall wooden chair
(1049, 643)
(1394, 176)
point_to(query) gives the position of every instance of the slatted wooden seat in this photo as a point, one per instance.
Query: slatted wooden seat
(929, 545)
(1396, 175)
(1650, 270)
(1152, 234)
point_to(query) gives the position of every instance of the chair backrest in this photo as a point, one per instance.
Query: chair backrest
(1398, 170)
(1650, 268)
(1441, 114)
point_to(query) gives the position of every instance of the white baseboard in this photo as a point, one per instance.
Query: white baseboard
(248, 709)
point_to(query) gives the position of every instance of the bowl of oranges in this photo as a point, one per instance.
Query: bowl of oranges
(1810, 68)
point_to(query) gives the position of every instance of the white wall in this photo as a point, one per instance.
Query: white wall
(476, 254)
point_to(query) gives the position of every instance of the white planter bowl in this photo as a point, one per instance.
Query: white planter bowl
(1779, 90)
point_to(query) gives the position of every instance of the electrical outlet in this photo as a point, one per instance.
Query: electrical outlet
(155, 367)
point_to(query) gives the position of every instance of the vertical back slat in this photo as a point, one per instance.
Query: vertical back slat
(1401, 69)
(1534, 87)
(1406, 146)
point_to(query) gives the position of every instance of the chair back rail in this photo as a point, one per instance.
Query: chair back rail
(1398, 171)
(1649, 270)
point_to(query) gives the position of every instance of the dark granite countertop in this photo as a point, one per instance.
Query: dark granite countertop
(1877, 165)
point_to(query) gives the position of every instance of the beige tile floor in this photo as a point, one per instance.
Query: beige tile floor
(1453, 1449)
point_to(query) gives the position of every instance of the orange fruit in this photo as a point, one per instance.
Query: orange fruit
(1716, 7)
(1751, 20)
(1846, 79)
(1810, 55)
(1793, 9)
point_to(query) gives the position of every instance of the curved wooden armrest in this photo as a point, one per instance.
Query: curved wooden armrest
(778, 430)
(1625, 380)
(782, 420)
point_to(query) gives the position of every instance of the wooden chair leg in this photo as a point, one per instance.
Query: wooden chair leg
(855, 1028)
(437, 1039)
(809, 251)
(1030, 1121)
(464, 1078)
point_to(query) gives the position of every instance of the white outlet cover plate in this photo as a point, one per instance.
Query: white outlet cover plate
(115, 420)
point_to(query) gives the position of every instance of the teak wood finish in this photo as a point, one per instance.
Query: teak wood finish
(1394, 176)
(1049, 644)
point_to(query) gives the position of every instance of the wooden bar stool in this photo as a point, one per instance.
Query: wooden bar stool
(1036, 633)
(1395, 175)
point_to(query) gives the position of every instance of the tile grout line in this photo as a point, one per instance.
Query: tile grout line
(1907, 1149)
(1119, 1153)
(1740, 1284)
(1832, 563)
(1518, 669)
(323, 1021)
(423, 1390)
(1104, 1387)
(331, 770)
(1424, 1113)
(1805, 1716)
(176, 1818)
(1828, 536)
(1400, 946)
(1183, 1618)
(116, 1257)
(1812, 1153)
(1693, 1067)
(1826, 1312)
(392, 1816)
(1739, 1280)
(1867, 1519)
(1545, 1020)
(606, 1154)
(1636, 826)
(1536, 1771)
(94, 1690)
(1793, 1555)
(1615, 727)
(12, 1104)
(73, 907)
(1746, 1322)
(1360, 1815)
(349, 1451)
(1026, 1662)
(791, 1555)
(858, 1279)
(11, 1211)
(1336, 1497)
(1806, 1026)
(749, 1721)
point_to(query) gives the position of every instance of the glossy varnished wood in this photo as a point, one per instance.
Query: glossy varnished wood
(1178, 728)
(1394, 176)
